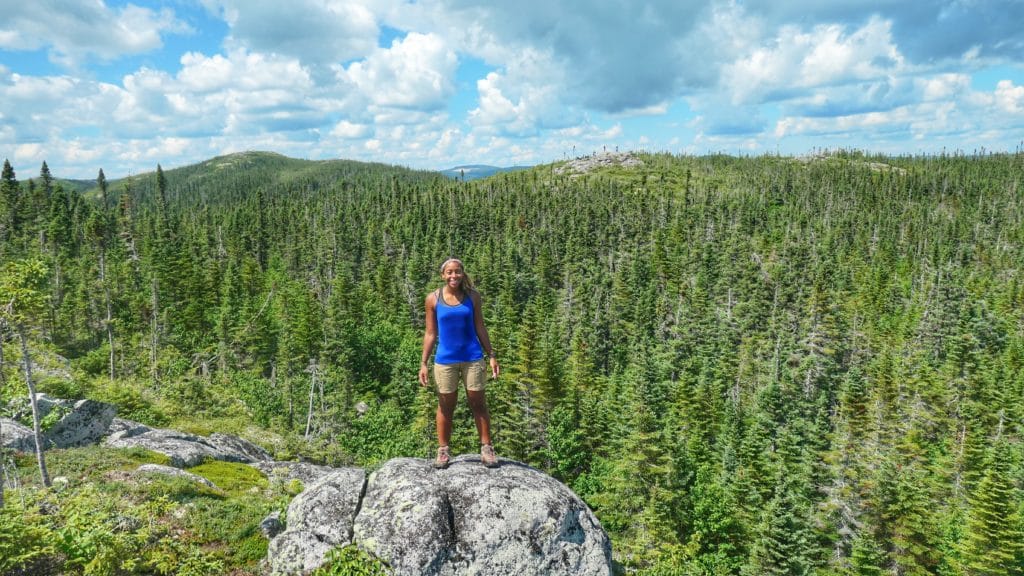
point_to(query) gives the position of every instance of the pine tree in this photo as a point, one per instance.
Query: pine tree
(866, 557)
(9, 194)
(994, 540)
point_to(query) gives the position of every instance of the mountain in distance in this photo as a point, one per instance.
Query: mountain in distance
(477, 171)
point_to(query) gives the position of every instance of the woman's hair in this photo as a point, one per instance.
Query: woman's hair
(467, 282)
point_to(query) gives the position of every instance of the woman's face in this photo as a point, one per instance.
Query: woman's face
(452, 275)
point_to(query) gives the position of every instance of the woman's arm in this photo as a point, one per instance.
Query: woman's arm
(481, 332)
(429, 338)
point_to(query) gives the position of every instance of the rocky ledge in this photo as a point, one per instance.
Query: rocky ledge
(466, 520)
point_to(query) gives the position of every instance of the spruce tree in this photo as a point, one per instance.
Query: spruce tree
(994, 540)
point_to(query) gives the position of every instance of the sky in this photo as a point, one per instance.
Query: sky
(127, 85)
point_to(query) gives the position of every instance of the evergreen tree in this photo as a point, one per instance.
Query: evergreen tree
(994, 541)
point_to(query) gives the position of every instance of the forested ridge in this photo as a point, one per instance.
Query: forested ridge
(749, 366)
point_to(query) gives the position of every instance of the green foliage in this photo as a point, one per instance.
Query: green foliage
(380, 434)
(24, 539)
(351, 561)
(109, 522)
(232, 477)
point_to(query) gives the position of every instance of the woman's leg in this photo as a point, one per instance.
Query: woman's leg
(445, 413)
(481, 416)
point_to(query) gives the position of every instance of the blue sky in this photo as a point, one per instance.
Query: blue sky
(90, 84)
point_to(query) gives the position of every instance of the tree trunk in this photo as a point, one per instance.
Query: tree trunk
(3, 377)
(3, 384)
(154, 333)
(312, 398)
(109, 320)
(37, 432)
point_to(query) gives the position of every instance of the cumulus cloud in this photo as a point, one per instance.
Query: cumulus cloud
(1009, 98)
(73, 31)
(416, 72)
(313, 31)
(797, 60)
(611, 56)
(927, 31)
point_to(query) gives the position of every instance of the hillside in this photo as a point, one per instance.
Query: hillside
(762, 365)
(246, 170)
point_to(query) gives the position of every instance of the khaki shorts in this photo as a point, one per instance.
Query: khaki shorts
(473, 375)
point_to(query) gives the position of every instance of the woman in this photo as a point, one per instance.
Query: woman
(455, 323)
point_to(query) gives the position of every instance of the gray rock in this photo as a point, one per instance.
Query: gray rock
(284, 471)
(171, 471)
(15, 436)
(271, 525)
(242, 449)
(46, 403)
(518, 520)
(121, 428)
(296, 552)
(319, 520)
(185, 449)
(85, 423)
(466, 520)
(405, 517)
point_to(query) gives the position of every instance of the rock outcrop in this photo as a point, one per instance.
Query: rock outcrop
(586, 164)
(319, 519)
(15, 436)
(85, 423)
(183, 449)
(81, 423)
(466, 520)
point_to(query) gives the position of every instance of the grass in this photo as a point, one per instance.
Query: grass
(108, 517)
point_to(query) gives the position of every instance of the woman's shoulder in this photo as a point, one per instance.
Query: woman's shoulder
(431, 298)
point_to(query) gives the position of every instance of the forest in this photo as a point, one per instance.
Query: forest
(744, 365)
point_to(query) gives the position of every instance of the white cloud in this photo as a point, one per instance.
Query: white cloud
(74, 31)
(349, 131)
(416, 72)
(825, 56)
(1009, 98)
(943, 86)
(314, 31)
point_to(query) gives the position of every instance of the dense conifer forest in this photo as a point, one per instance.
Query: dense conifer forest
(748, 366)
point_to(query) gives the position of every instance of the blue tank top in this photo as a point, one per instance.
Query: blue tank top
(456, 332)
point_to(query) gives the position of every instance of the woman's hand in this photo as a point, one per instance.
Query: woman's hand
(424, 380)
(495, 369)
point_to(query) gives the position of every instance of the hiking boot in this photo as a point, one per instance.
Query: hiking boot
(443, 458)
(488, 457)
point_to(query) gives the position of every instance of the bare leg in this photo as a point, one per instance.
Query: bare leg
(445, 413)
(482, 418)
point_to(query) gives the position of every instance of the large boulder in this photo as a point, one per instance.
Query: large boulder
(465, 520)
(80, 423)
(319, 519)
(16, 436)
(184, 449)
(85, 422)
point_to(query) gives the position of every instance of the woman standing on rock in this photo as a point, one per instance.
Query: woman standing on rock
(455, 322)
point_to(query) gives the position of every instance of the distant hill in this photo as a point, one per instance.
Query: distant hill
(477, 171)
(246, 171)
